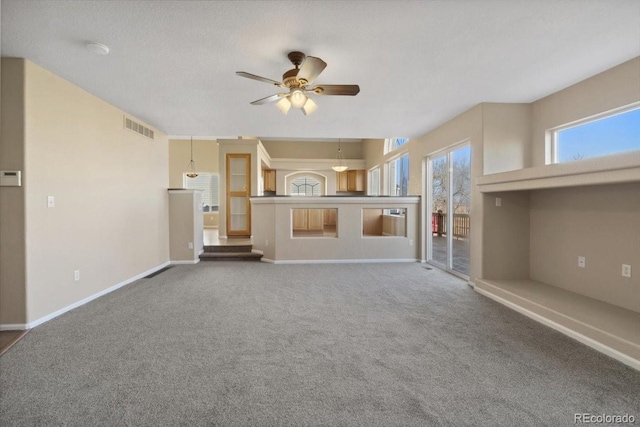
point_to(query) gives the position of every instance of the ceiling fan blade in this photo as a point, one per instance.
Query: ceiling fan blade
(269, 99)
(258, 78)
(349, 90)
(310, 69)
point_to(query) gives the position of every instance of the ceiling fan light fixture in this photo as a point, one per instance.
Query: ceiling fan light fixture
(309, 107)
(298, 98)
(340, 167)
(192, 165)
(297, 84)
(284, 105)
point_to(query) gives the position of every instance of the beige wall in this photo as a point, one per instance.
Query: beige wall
(505, 243)
(506, 137)
(614, 88)
(312, 149)
(601, 223)
(110, 219)
(13, 302)
(465, 128)
(272, 225)
(185, 225)
(205, 155)
(539, 234)
(206, 158)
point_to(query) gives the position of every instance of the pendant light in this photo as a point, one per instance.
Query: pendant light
(340, 167)
(192, 165)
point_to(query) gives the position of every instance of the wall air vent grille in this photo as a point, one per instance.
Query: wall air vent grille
(138, 128)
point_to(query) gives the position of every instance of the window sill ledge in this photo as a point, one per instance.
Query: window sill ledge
(613, 169)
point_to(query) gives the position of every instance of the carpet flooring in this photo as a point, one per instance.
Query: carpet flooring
(255, 344)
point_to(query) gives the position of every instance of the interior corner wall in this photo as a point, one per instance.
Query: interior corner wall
(205, 156)
(312, 149)
(506, 137)
(597, 222)
(611, 89)
(373, 152)
(110, 219)
(13, 302)
(465, 127)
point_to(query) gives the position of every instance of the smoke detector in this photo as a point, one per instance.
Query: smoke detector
(98, 48)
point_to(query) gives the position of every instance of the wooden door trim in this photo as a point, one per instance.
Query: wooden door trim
(246, 193)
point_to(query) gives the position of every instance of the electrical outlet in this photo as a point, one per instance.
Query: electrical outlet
(76, 275)
(410, 242)
(582, 262)
(266, 242)
(498, 202)
(51, 202)
(190, 245)
(626, 270)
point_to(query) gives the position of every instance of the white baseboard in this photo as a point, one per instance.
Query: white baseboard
(87, 299)
(190, 262)
(340, 261)
(257, 251)
(596, 345)
(13, 327)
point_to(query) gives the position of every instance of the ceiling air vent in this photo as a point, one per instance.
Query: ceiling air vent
(138, 128)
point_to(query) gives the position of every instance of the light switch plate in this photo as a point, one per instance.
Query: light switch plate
(51, 202)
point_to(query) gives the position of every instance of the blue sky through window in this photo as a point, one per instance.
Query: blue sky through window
(613, 134)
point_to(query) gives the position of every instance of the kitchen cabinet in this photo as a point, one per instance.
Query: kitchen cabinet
(314, 219)
(308, 219)
(330, 216)
(341, 181)
(355, 180)
(350, 180)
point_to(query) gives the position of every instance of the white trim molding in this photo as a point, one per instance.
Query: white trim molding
(81, 302)
(341, 261)
(596, 345)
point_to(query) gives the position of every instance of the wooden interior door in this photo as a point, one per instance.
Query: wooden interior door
(238, 192)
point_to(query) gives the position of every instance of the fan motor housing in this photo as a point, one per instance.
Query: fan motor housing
(290, 78)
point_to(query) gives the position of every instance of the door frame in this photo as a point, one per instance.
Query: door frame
(245, 193)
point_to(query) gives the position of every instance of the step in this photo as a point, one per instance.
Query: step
(230, 256)
(228, 248)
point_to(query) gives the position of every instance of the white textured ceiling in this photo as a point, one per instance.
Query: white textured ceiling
(418, 63)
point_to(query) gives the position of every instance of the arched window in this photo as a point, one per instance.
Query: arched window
(305, 186)
(391, 144)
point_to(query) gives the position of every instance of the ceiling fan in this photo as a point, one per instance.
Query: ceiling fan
(298, 85)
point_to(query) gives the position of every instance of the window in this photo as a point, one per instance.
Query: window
(615, 133)
(374, 182)
(391, 144)
(305, 186)
(399, 176)
(209, 183)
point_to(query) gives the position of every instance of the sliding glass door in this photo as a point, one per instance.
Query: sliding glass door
(449, 202)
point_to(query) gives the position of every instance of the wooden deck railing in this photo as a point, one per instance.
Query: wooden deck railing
(461, 224)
